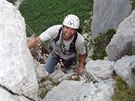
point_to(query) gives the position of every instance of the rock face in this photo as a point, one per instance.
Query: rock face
(99, 69)
(123, 68)
(108, 14)
(81, 91)
(121, 43)
(17, 72)
(7, 96)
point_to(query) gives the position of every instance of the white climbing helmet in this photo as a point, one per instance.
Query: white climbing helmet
(72, 21)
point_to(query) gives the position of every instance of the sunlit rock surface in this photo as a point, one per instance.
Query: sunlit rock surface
(121, 43)
(108, 14)
(123, 68)
(17, 71)
(81, 91)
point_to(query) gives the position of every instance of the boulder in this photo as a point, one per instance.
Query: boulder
(121, 43)
(17, 68)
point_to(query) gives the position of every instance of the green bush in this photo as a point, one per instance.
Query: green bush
(123, 92)
(133, 4)
(41, 14)
(100, 44)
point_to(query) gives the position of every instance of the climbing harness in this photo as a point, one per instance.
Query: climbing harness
(44, 46)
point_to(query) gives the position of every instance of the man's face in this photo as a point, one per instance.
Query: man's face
(68, 32)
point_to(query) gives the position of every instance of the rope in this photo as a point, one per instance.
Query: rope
(34, 35)
(44, 46)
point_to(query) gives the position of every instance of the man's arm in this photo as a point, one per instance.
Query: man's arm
(33, 42)
(81, 66)
(82, 60)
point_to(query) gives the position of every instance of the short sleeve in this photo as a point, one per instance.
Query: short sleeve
(50, 33)
(80, 47)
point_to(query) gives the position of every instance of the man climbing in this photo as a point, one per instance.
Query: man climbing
(66, 41)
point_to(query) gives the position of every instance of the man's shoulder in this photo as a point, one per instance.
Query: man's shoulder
(80, 37)
(79, 40)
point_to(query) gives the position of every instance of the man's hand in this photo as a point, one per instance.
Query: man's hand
(79, 70)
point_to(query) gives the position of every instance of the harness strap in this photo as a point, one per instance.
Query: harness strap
(58, 36)
(72, 45)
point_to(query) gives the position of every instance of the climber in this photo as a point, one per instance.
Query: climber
(66, 41)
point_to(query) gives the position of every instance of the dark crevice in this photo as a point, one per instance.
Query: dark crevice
(15, 93)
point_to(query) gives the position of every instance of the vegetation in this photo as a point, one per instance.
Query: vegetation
(123, 92)
(41, 14)
(100, 44)
(133, 70)
(133, 4)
